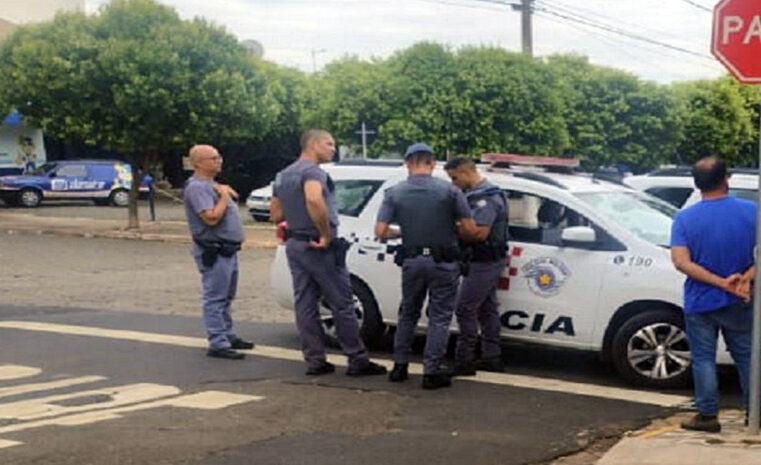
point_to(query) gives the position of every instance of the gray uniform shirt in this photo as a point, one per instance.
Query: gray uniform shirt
(289, 189)
(426, 208)
(199, 195)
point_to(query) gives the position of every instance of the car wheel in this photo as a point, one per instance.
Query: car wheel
(650, 349)
(371, 327)
(119, 198)
(30, 198)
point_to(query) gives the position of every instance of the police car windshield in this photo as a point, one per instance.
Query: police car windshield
(646, 218)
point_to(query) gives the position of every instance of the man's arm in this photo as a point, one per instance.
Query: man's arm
(318, 212)
(469, 231)
(276, 210)
(680, 257)
(212, 217)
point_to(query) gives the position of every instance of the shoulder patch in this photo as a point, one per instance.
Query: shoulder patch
(481, 203)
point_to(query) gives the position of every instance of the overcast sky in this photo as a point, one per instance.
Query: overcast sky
(290, 30)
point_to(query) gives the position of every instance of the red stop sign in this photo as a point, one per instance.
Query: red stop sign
(737, 38)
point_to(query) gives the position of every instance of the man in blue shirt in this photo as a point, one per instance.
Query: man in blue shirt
(712, 242)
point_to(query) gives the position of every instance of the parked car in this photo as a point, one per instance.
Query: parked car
(103, 181)
(589, 268)
(258, 203)
(675, 185)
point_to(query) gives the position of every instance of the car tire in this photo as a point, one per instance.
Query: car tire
(29, 198)
(373, 331)
(119, 198)
(650, 349)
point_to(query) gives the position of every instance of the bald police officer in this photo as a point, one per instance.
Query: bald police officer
(303, 197)
(427, 210)
(217, 232)
(477, 300)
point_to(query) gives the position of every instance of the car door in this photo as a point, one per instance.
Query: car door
(68, 181)
(550, 290)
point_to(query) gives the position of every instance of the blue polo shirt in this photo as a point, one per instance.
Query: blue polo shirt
(720, 235)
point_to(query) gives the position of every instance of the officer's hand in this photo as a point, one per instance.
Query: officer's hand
(321, 244)
(226, 191)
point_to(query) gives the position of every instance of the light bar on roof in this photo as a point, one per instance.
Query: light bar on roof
(530, 160)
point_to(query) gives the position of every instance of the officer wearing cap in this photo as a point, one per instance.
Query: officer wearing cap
(427, 210)
(217, 232)
(477, 299)
(303, 197)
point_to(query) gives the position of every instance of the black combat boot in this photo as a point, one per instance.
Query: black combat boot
(398, 373)
(702, 422)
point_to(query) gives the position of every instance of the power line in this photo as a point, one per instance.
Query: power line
(698, 5)
(615, 30)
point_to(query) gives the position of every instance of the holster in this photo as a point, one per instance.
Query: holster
(213, 249)
(340, 247)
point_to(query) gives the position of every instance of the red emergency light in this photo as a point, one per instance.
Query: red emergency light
(530, 160)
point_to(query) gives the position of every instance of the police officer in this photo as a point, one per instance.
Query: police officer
(217, 233)
(427, 210)
(303, 197)
(477, 300)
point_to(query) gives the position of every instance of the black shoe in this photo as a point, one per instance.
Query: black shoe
(464, 369)
(491, 364)
(323, 369)
(436, 381)
(399, 373)
(368, 369)
(227, 353)
(241, 344)
(702, 422)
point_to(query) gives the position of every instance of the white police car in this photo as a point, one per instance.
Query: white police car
(589, 266)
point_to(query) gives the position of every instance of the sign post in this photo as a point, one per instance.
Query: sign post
(737, 45)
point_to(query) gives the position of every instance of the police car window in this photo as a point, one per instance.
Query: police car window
(645, 217)
(72, 171)
(45, 169)
(747, 194)
(676, 196)
(353, 195)
(540, 220)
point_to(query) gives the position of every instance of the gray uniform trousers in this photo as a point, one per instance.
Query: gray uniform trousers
(422, 276)
(219, 283)
(477, 305)
(316, 275)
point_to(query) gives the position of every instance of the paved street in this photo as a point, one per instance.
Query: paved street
(101, 361)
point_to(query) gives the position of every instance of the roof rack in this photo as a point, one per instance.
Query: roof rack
(370, 162)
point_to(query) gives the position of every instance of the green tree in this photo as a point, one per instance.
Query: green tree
(718, 119)
(135, 79)
(613, 116)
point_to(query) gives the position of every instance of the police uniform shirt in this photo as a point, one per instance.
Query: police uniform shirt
(485, 208)
(199, 195)
(289, 190)
(419, 229)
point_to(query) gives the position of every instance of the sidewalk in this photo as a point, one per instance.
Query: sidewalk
(14, 221)
(665, 443)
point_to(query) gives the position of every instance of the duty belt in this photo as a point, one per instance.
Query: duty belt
(300, 236)
(438, 253)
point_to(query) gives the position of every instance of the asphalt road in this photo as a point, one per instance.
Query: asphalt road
(89, 380)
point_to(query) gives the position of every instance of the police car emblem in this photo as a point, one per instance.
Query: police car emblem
(545, 275)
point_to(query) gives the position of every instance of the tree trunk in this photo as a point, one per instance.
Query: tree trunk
(133, 219)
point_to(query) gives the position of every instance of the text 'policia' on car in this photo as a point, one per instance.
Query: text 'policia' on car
(589, 266)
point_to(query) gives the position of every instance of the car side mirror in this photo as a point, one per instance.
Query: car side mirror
(580, 236)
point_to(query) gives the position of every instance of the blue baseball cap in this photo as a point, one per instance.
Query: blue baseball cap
(418, 147)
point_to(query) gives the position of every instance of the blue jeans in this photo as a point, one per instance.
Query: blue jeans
(734, 322)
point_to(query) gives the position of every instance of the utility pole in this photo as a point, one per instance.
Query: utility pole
(314, 58)
(526, 8)
(364, 132)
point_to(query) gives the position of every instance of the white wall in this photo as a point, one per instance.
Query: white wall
(32, 11)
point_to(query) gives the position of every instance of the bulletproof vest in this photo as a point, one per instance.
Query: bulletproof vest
(496, 243)
(426, 213)
(289, 185)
